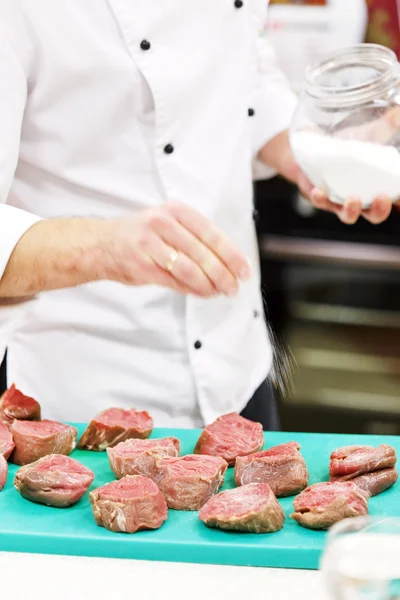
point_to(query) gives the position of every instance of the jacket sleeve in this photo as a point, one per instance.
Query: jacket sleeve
(13, 221)
(13, 89)
(274, 105)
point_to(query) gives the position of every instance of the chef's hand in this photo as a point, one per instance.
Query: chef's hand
(176, 247)
(173, 246)
(278, 154)
(351, 211)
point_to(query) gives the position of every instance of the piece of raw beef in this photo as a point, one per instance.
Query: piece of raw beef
(376, 482)
(282, 467)
(230, 436)
(323, 504)
(138, 457)
(54, 480)
(3, 471)
(15, 405)
(251, 508)
(187, 483)
(35, 439)
(350, 461)
(115, 425)
(6, 440)
(129, 505)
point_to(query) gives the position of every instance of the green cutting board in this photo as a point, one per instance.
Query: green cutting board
(29, 527)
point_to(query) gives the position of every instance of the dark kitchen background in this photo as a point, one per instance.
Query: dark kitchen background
(333, 292)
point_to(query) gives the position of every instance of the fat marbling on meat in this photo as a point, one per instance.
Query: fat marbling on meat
(35, 439)
(349, 462)
(188, 482)
(3, 471)
(139, 457)
(375, 482)
(128, 505)
(16, 405)
(282, 467)
(321, 505)
(230, 436)
(54, 480)
(6, 440)
(115, 425)
(251, 508)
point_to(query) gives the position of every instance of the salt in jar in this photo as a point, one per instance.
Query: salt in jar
(345, 134)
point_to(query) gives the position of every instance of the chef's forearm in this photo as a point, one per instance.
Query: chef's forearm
(55, 254)
(277, 154)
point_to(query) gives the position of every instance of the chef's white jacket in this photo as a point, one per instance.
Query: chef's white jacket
(91, 93)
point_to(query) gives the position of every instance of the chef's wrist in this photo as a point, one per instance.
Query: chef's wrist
(54, 254)
(98, 261)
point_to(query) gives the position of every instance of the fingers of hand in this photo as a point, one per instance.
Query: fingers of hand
(321, 201)
(379, 211)
(211, 237)
(145, 271)
(393, 116)
(305, 186)
(222, 279)
(183, 269)
(349, 213)
(165, 279)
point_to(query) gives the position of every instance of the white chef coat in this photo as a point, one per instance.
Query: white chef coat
(86, 110)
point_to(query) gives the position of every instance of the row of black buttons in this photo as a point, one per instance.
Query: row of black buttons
(168, 149)
(145, 44)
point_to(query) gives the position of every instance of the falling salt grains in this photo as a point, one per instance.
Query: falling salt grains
(284, 363)
(283, 366)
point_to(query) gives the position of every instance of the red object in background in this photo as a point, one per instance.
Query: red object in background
(384, 25)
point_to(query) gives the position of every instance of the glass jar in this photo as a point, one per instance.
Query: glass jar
(345, 134)
(361, 559)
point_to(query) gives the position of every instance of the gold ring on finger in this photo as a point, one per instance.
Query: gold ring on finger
(173, 257)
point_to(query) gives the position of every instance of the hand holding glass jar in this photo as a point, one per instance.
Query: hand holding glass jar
(346, 133)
